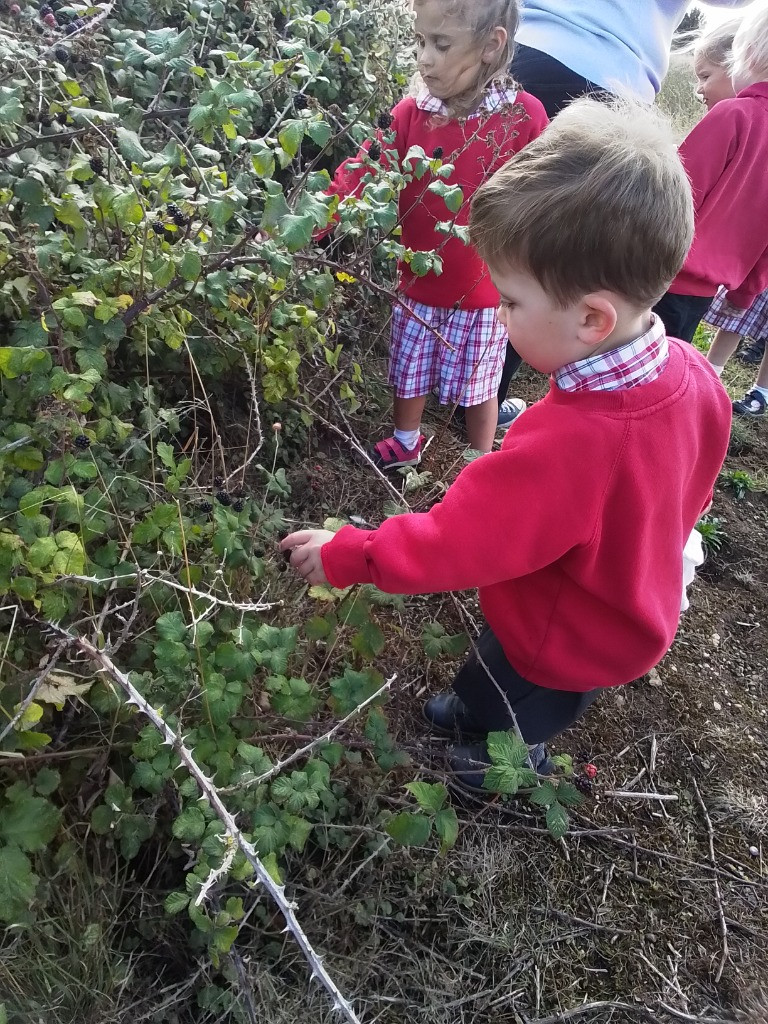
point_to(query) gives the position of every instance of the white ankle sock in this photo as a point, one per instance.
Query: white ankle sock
(718, 369)
(408, 438)
(763, 392)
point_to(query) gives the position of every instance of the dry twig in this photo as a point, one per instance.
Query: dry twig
(715, 883)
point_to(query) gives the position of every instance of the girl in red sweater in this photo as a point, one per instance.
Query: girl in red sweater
(726, 156)
(445, 332)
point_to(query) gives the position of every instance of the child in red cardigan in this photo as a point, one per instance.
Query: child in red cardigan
(726, 156)
(445, 332)
(574, 532)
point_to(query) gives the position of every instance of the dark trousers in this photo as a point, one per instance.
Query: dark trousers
(681, 314)
(555, 85)
(541, 713)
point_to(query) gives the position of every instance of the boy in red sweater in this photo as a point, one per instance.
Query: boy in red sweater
(726, 156)
(574, 531)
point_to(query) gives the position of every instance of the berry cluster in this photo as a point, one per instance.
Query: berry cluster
(437, 153)
(300, 101)
(82, 442)
(96, 164)
(375, 151)
(179, 219)
(384, 121)
(584, 785)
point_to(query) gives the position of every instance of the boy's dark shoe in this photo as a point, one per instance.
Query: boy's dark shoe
(469, 764)
(753, 353)
(752, 404)
(446, 715)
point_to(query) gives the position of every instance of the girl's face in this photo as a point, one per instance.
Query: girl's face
(713, 82)
(450, 60)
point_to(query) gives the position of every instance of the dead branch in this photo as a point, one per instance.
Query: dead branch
(715, 883)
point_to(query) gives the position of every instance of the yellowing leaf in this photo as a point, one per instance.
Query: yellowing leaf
(58, 686)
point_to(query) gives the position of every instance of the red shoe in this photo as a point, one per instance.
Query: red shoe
(390, 454)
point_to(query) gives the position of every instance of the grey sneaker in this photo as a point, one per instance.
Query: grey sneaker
(509, 410)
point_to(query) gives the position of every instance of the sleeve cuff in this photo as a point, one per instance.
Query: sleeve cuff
(344, 558)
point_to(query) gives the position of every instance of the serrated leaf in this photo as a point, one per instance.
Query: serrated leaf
(190, 825)
(130, 146)
(507, 750)
(557, 820)
(17, 884)
(447, 828)
(429, 796)
(175, 902)
(30, 823)
(369, 641)
(568, 794)
(171, 626)
(409, 829)
(191, 266)
(544, 795)
(290, 136)
(501, 779)
(47, 781)
(295, 231)
(58, 686)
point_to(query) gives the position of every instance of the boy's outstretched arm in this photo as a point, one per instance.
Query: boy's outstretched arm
(500, 520)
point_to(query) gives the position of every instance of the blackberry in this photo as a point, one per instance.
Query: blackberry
(238, 506)
(61, 117)
(45, 9)
(158, 227)
(79, 23)
(45, 121)
(384, 121)
(172, 209)
(70, 29)
(583, 785)
(300, 101)
(223, 498)
(218, 482)
(437, 153)
(96, 164)
(180, 220)
(39, 28)
(375, 151)
(82, 442)
(61, 54)
(205, 507)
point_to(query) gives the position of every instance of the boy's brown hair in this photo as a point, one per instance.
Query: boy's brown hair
(600, 201)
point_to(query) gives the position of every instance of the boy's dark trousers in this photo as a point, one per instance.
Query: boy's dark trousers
(681, 314)
(541, 712)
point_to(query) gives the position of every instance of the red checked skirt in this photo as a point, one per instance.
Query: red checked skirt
(749, 323)
(469, 372)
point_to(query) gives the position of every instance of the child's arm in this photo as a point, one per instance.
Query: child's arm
(475, 537)
(708, 149)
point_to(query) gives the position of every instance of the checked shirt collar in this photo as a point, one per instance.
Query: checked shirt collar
(638, 362)
(494, 99)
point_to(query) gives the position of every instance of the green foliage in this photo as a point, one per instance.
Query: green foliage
(712, 532)
(413, 828)
(740, 482)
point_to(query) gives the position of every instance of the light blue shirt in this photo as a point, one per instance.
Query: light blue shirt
(621, 45)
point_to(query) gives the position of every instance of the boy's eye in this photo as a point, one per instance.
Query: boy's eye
(442, 47)
(507, 304)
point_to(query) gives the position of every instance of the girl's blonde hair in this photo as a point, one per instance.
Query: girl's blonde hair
(482, 17)
(716, 46)
(750, 47)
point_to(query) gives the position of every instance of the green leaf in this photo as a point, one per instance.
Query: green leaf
(130, 146)
(447, 828)
(369, 641)
(544, 795)
(17, 884)
(507, 750)
(502, 779)
(175, 902)
(557, 820)
(47, 781)
(30, 824)
(409, 829)
(568, 795)
(191, 266)
(430, 797)
(296, 232)
(290, 136)
(190, 825)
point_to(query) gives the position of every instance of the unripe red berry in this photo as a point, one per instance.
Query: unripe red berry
(277, 427)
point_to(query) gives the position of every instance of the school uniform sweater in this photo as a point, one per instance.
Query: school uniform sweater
(573, 531)
(726, 157)
(477, 147)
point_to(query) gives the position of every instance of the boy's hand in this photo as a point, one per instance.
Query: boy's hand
(305, 547)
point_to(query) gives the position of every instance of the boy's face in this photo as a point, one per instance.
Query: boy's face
(540, 330)
(448, 56)
(713, 82)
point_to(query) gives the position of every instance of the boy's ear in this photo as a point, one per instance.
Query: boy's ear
(597, 319)
(494, 45)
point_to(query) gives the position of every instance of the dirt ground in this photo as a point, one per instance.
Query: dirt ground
(650, 909)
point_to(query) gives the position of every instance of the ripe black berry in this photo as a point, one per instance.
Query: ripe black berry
(180, 220)
(437, 153)
(61, 117)
(223, 498)
(205, 507)
(300, 101)
(45, 9)
(45, 121)
(375, 151)
(79, 23)
(61, 54)
(583, 785)
(172, 209)
(384, 121)
(96, 164)
(82, 442)
(238, 506)
(218, 482)
(70, 28)
(158, 227)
